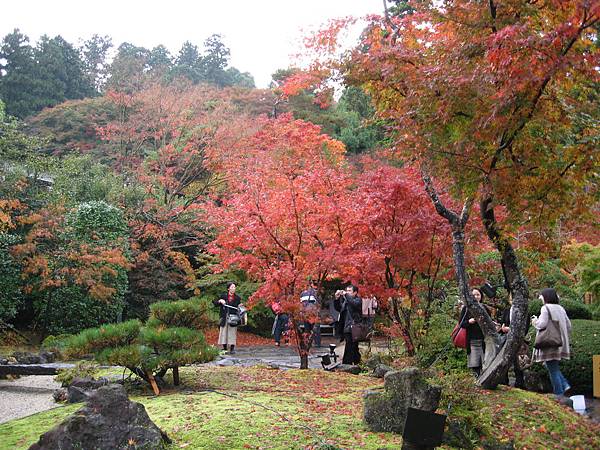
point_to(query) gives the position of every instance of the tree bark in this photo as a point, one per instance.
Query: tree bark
(497, 368)
(498, 359)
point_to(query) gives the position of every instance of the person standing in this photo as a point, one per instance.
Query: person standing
(281, 322)
(552, 356)
(475, 338)
(312, 305)
(349, 304)
(228, 333)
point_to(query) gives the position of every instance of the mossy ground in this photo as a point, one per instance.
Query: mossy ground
(261, 408)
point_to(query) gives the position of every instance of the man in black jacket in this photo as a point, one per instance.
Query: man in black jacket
(349, 304)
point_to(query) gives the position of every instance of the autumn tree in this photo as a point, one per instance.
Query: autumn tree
(281, 217)
(74, 264)
(159, 141)
(488, 98)
(396, 246)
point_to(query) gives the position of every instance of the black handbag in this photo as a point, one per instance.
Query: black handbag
(550, 336)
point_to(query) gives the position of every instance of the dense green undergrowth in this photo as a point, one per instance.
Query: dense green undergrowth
(260, 408)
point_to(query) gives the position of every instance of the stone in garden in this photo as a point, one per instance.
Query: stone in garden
(386, 410)
(47, 357)
(79, 388)
(27, 358)
(380, 370)
(374, 361)
(108, 421)
(536, 382)
(60, 395)
(347, 368)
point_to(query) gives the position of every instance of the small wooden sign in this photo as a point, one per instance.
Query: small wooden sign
(596, 373)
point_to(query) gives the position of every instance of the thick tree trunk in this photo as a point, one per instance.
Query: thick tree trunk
(493, 369)
(498, 359)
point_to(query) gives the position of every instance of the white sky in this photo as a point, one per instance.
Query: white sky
(261, 34)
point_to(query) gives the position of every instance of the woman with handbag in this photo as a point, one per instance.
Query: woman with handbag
(228, 304)
(552, 339)
(349, 304)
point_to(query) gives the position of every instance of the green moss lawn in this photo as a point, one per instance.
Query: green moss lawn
(261, 408)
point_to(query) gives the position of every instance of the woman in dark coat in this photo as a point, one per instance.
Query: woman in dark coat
(475, 338)
(227, 333)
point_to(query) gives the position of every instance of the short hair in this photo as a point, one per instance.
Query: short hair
(354, 288)
(550, 296)
(229, 283)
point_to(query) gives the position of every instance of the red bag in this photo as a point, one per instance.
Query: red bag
(459, 336)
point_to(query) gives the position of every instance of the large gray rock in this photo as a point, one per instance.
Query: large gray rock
(386, 410)
(108, 421)
(80, 388)
(347, 368)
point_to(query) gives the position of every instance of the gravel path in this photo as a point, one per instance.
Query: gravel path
(26, 395)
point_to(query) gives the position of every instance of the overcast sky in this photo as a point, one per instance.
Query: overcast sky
(261, 34)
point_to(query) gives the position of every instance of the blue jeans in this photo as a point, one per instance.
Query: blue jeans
(558, 380)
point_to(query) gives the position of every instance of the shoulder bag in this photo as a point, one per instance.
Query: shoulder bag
(459, 334)
(550, 336)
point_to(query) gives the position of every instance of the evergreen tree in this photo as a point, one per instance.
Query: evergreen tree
(94, 52)
(17, 75)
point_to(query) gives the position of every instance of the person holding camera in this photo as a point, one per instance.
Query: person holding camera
(349, 304)
(228, 303)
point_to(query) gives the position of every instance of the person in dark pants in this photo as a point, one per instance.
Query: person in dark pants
(349, 304)
(280, 324)
(311, 302)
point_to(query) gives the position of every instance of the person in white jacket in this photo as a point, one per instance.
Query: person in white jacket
(552, 356)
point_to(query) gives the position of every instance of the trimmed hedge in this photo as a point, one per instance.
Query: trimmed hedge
(585, 342)
(574, 309)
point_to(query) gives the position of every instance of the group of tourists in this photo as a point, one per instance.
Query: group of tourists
(352, 327)
(551, 350)
(349, 326)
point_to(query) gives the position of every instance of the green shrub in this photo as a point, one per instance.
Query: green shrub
(69, 309)
(82, 369)
(155, 348)
(595, 310)
(585, 342)
(57, 343)
(574, 308)
(260, 320)
(436, 347)
(10, 279)
(181, 313)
